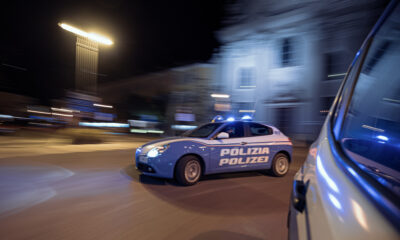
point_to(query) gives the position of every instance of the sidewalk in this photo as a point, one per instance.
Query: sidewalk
(27, 146)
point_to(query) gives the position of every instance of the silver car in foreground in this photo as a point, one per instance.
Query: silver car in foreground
(349, 185)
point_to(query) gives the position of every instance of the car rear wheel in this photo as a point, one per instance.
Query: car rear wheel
(188, 170)
(280, 165)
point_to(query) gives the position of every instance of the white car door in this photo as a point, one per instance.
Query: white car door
(239, 152)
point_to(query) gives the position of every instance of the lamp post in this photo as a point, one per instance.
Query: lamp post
(86, 59)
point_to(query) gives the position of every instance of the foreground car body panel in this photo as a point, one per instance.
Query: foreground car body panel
(335, 207)
(217, 155)
(335, 195)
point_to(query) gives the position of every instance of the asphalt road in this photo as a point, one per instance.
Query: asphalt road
(100, 195)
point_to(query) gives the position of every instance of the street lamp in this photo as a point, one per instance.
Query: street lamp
(86, 60)
(92, 36)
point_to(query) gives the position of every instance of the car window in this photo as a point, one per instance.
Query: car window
(203, 131)
(235, 130)
(259, 130)
(350, 76)
(370, 134)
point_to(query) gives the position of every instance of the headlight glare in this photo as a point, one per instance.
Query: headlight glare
(154, 152)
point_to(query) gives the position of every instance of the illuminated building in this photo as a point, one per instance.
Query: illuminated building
(284, 60)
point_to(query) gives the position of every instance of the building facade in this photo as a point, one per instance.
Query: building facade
(177, 98)
(283, 61)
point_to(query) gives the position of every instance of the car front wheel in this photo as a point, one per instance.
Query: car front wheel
(188, 170)
(280, 165)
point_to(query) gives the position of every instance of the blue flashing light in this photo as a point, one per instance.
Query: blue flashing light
(381, 137)
(246, 117)
(230, 119)
(41, 118)
(217, 118)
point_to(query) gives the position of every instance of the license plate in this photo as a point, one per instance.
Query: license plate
(143, 159)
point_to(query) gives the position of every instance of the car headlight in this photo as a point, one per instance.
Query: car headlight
(154, 152)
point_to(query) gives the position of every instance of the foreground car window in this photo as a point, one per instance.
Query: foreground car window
(203, 131)
(371, 130)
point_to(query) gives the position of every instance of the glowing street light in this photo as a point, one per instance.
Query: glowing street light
(92, 36)
(86, 58)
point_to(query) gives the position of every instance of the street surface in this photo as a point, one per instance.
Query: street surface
(96, 193)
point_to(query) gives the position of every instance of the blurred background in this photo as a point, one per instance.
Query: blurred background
(83, 84)
(88, 69)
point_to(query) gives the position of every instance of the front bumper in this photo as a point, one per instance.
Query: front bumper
(145, 168)
(157, 167)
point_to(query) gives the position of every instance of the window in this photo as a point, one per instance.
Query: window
(350, 77)
(259, 130)
(326, 103)
(379, 52)
(288, 54)
(244, 108)
(284, 120)
(370, 133)
(235, 130)
(202, 131)
(336, 64)
(246, 78)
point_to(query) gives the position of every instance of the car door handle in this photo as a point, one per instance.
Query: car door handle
(243, 143)
(299, 195)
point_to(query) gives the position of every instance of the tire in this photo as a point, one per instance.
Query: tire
(280, 165)
(188, 170)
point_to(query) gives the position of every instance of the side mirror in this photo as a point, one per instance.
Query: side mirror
(299, 195)
(222, 135)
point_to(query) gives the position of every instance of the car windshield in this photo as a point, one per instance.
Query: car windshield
(202, 131)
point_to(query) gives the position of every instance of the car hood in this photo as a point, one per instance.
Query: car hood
(160, 142)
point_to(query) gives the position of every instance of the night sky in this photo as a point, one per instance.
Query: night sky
(148, 36)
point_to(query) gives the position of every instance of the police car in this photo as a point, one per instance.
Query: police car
(349, 185)
(216, 147)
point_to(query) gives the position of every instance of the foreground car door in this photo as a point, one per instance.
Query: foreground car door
(349, 186)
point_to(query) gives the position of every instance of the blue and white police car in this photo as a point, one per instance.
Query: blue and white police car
(216, 147)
